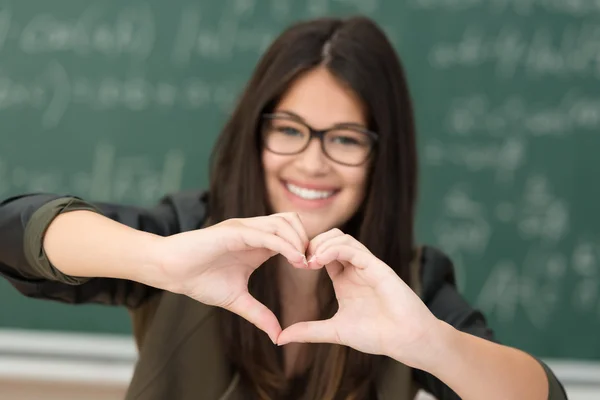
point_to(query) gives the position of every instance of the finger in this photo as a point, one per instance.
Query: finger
(256, 313)
(334, 268)
(256, 238)
(345, 252)
(320, 239)
(286, 230)
(280, 226)
(310, 332)
(343, 239)
(296, 222)
(373, 270)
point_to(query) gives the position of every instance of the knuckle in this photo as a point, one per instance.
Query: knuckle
(337, 231)
(230, 222)
(275, 217)
(278, 222)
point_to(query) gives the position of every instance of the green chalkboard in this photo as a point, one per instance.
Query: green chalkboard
(122, 101)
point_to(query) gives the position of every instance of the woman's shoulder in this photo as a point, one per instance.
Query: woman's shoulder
(435, 269)
(441, 295)
(189, 207)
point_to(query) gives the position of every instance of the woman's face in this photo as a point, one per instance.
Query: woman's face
(323, 192)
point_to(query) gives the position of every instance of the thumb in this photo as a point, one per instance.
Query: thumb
(247, 307)
(310, 332)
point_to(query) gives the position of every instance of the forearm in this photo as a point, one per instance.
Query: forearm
(87, 244)
(476, 368)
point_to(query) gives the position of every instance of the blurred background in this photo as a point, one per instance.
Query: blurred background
(122, 100)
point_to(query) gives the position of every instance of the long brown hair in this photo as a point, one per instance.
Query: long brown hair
(356, 51)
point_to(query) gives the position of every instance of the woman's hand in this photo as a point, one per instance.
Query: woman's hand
(378, 313)
(213, 265)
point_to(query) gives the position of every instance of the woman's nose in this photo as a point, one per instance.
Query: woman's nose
(312, 160)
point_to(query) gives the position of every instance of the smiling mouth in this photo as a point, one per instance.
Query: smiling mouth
(309, 194)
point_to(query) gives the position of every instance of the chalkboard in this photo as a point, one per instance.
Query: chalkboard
(122, 101)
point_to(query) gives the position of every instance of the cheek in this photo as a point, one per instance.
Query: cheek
(357, 181)
(271, 164)
(272, 167)
(266, 162)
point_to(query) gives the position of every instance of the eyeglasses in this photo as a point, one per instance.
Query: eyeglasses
(345, 144)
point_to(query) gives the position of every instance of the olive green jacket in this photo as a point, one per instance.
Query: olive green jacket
(180, 351)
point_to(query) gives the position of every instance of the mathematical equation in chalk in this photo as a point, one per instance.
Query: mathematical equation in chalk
(54, 91)
(536, 284)
(464, 223)
(541, 51)
(134, 30)
(574, 8)
(540, 219)
(110, 176)
(477, 114)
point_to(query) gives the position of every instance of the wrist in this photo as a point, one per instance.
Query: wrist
(433, 350)
(151, 263)
(443, 348)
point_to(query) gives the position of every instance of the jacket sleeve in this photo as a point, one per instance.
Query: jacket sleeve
(440, 294)
(23, 262)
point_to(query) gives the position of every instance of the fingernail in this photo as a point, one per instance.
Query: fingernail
(304, 260)
(313, 258)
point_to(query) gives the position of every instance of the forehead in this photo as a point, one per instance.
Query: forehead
(321, 100)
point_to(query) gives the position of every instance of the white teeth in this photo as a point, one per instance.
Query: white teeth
(308, 194)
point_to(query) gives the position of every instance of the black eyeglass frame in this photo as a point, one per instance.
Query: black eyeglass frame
(320, 134)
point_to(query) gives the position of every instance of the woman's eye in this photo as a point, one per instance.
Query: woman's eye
(288, 130)
(346, 140)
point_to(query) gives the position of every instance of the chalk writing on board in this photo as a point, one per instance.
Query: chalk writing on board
(576, 8)
(502, 157)
(318, 8)
(221, 37)
(534, 286)
(463, 225)
(542, 279)
(110, 177)
(499, 295)
(54, 91)
(476, 114)
(537, 285)
(569, 52)
(586, 266)
(218, 38)
(131, 32)
(539, 215)
(542, 214)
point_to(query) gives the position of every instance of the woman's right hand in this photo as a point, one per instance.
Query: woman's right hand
(213, 265)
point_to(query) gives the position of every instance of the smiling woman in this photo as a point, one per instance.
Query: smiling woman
(323, 181)
(296, 275)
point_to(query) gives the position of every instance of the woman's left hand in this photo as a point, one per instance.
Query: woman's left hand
(378, 313)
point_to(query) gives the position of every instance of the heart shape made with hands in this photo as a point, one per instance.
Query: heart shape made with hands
(374, 304)
(372, 300)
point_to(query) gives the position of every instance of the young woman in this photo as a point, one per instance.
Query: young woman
(296, 275)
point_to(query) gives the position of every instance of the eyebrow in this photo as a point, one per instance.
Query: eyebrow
(295, 116)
